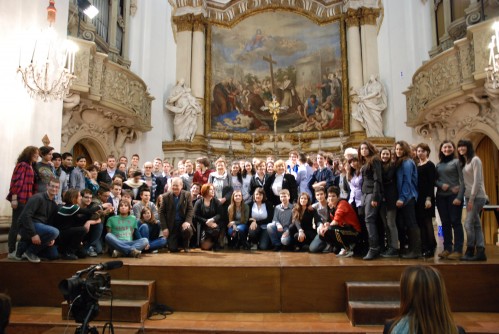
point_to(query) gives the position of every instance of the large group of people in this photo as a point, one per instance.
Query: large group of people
(371, 203)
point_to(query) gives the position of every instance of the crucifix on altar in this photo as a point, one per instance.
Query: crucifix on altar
(274, 108)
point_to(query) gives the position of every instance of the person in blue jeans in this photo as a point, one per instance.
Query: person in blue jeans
(150, 228)
(278, 229)
(121, 229)
(449, 200)
(476, 198)
(37, 236)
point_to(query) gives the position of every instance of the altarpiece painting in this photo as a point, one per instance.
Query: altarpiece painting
(279, 54)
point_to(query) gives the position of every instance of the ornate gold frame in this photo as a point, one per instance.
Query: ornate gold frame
(257, 138)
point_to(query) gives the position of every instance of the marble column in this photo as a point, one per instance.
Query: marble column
(198, 65)
(369, 37)
(355, 79)
(184, 47)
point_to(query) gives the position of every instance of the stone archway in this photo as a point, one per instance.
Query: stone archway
(90, 148)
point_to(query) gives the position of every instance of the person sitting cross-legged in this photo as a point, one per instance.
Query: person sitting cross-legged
(121, 229)
(343, 229)
(150, 228)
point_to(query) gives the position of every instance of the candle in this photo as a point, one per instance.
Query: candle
(33, 55)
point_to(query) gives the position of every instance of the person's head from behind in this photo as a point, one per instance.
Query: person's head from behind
(5, 308)
(423, 299)
(72, 196)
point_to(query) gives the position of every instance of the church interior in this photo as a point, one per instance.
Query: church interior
(244, 79)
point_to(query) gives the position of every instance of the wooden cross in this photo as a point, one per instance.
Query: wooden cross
(271, 62)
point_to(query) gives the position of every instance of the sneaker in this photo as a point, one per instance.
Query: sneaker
(445, 254)
(31, 257)
(135, 253)
(13, 256)
(328, 249)
(348, 253)
(91, 252)
(455, 256)
(116, 253)
(342, 252)
(155, 251)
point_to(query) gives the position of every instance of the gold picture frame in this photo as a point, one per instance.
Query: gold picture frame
(304, 54)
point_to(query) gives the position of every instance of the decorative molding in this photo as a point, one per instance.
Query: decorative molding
(109, 104)
(184, 22)
(199, 23)
(233, 12)
(352, 17)
(448, 98)
(369, 16)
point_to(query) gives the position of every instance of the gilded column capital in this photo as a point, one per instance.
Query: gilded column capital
(199, 23)
(368, 16)
(184, 22)
(352, 17)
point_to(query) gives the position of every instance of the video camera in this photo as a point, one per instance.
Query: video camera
(82, 293)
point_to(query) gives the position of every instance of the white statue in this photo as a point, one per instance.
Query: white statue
(371, 102)
(186, 109)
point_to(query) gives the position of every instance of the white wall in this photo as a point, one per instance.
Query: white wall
(24, 121)
(403, 44)
(153, 57)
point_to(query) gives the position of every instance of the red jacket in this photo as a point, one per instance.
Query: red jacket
(345, 215)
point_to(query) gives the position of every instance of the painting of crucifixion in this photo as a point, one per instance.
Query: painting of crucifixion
(282, 55)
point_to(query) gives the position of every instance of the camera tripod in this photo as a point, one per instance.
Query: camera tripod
(85, 328)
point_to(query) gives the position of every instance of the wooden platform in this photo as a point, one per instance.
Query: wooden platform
(257, 285)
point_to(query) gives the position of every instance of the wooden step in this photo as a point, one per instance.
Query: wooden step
(125, 310)
(373, 291)
(71, 329)
(371, 312)
(133, 289)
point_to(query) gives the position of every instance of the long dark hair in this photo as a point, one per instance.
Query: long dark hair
(373, 155)
(298, 209)
(423, 298)
(407, 152)
(470, 152)
(27, 154)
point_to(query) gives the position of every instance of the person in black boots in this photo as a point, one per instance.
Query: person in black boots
(475, 198)
(372, 194)
(407, 185)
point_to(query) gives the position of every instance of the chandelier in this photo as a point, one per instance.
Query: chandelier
(493, 69)
(50, 71)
